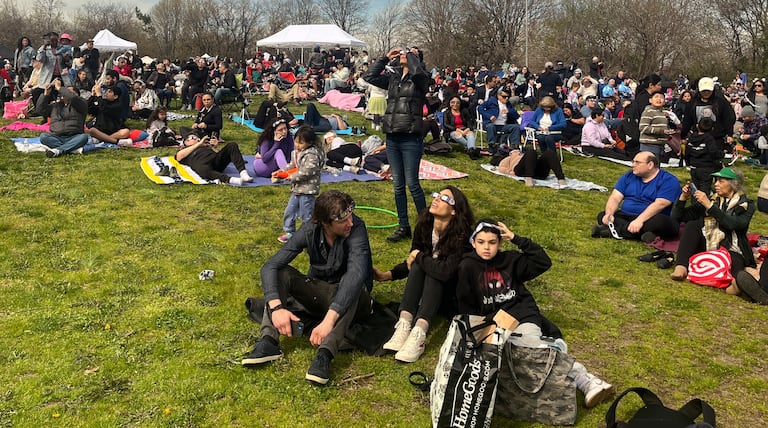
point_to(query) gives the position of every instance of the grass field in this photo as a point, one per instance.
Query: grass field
(104, 322)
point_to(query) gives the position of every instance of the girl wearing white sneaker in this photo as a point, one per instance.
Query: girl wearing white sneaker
(440, 238)
(491, 280)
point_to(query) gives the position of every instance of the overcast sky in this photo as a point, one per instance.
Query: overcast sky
(144, 5)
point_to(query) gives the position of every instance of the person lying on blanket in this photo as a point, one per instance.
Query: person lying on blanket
(529, 165)
(201, 155)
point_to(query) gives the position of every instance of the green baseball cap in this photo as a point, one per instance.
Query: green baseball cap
(727, 173)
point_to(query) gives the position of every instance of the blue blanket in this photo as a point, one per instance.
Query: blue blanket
(249, 123)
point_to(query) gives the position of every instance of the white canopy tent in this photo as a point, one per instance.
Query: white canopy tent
(106, 41)
(307, 36)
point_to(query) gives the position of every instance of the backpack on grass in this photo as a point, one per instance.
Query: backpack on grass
(654, 415)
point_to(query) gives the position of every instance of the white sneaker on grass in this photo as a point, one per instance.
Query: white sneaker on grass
(596, 391)
(402, 330)
(413, 347)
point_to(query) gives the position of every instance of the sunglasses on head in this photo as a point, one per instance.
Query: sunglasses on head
(482, 226)
(344, 214)
(443, 197)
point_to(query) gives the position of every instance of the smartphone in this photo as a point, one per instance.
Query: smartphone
(692, 187)
(297, 328)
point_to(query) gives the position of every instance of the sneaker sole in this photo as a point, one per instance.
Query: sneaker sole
(404, 359)
(388, 347)
(261, 360)
(749, 286)
(315, 379)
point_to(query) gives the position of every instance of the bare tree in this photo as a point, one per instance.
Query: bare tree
(47, 15)
(119, 19)
(303, 12)
(12, 17)
(349, 15)
(434, 26)
(386, 28)
(168, 17)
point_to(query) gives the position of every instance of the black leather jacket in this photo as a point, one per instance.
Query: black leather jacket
(406, 96)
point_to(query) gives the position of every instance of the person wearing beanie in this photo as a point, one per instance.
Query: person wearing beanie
(752, 124)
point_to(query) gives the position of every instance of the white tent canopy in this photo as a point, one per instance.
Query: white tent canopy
(106, 41)
(307, 36)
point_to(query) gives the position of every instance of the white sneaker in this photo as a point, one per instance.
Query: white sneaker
(125, 142)
(597, 391)
(402, 330)
(235, 181)
(245, 177)
(413, 347)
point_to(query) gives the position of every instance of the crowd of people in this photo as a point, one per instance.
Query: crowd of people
(455, 264)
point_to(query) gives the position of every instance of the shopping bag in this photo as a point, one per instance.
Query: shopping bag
(463, 391)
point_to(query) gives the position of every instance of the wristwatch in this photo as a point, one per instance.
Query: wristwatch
(276, 308)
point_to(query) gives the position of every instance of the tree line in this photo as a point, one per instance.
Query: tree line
(692, 36)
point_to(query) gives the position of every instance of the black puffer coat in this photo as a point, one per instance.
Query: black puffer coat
(406, 94)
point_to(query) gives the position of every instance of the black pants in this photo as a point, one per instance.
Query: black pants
(314, 119)
(431, 126)
(434, 296)
(375, 162)
(606, 153)
(538, 167)
(692, 242)
(702, 178)
(660, 224)
(266, 113)
(213, 169)
(313, 297)
(336, 156)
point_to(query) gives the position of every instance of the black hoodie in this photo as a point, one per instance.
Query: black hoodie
(484, 287)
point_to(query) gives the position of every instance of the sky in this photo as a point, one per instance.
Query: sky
(144, 5)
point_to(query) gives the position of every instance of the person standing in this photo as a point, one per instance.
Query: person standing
(403, 74)
(91, 55)
(22, 60)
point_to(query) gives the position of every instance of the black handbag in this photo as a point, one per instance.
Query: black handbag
(655, 415)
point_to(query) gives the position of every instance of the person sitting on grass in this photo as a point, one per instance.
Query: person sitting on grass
(67, 120)
(720, 221)
(334, 293)
(108, 124)
(641, 202)
(303, 171)
(275, 146)
(596, 139)
(341, 153)
(491, 280)
(202, 156)
(208, 121)
(439, 239)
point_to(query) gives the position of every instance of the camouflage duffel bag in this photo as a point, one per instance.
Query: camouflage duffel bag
(534, 386)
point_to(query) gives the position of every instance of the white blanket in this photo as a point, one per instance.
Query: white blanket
(551, 181)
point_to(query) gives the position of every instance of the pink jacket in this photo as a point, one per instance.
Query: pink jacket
(592, 134)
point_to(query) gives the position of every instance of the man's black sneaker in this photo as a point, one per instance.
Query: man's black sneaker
(318, 372)
(266, 350)
(402, 232)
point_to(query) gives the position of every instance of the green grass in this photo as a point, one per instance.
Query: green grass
(105, 323)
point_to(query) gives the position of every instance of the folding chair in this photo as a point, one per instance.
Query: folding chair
(480, 143)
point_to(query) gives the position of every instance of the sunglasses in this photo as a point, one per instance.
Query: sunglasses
(443, 197)
(344, 214)
(480, 227)
(503, 96)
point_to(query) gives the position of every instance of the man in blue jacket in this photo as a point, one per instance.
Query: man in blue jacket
(500, 117)
(334, 292)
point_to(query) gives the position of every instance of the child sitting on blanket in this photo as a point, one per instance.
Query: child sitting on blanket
(160, 135)
(491, 279)
(303, 171)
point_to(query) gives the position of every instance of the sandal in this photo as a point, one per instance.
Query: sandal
(667, 262)
(652, 257)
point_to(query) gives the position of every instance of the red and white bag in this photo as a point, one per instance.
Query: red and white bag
(711, 268)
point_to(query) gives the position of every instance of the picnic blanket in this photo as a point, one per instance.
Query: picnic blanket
(551, 181)
(20, 125)
(151, 166)
(249, 123)
(342, 101)
(32, 145)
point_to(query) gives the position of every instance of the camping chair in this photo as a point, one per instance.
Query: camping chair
(240, 99)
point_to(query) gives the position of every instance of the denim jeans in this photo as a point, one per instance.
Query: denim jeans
(467, 141)
(512, 129)
(299, 206)
(64, 144)
(548, 141)
(404, 153)
(656, 150)
(220, 93)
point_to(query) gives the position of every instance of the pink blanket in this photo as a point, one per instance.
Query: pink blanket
(434, 171)
(342, 101)
(19, 125)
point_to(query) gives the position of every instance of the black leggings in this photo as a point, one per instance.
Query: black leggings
(336, 156)
(212, 170)
(692, 242)
(538, 167)
(435, 296)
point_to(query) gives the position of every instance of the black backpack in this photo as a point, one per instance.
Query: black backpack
(437, 147)
(654, 415)
(163, 138)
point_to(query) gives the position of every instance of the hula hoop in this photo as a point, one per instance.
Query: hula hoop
(390, 212)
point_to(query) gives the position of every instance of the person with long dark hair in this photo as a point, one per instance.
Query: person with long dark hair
(22, 60)
(439, 239)
(275, 147)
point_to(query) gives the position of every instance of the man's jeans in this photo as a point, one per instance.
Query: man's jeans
(63, 144)
(513, 131)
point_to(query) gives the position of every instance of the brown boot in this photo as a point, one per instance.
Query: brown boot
(680, 273)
